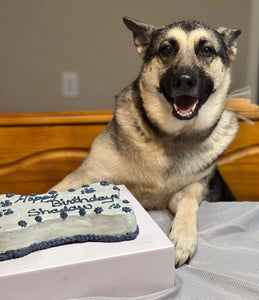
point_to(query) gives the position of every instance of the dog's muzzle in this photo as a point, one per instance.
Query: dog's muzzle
(186, 90)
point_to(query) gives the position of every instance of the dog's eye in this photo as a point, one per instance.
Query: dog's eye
(166, 50)
(207, 51)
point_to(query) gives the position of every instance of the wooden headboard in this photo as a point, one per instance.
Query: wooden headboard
(37, 150)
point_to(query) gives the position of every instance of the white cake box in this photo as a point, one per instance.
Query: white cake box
(125, 269)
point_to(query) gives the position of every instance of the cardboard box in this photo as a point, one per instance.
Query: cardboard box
(126, 269)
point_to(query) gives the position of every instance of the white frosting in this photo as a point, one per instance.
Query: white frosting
(91, 210)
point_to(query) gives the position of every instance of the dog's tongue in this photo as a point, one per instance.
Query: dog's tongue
(185, 103)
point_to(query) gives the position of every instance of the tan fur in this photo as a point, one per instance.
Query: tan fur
(184, 229)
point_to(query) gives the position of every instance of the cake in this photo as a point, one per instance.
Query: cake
(93, 213)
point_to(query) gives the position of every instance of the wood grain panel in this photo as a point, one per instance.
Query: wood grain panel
(239, 165)
(40, 172)
(238, 154)
(22, 141)
(242, 176)
(54, 118)
(247, 135)
(37, 150)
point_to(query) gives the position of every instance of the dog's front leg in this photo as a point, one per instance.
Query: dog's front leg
(183, 233)
(73, 180)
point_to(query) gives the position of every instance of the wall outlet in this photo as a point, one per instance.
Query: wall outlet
(69, 84)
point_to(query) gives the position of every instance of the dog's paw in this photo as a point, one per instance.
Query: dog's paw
(184, 237)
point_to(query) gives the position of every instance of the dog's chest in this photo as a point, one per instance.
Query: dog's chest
(163, 173)
(166, 165)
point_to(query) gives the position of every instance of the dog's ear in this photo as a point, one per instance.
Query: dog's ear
(229, 36)
(142, 34)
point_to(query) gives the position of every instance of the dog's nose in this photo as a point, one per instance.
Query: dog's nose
(184, 82)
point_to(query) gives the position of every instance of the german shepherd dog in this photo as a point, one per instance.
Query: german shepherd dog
(170, 126)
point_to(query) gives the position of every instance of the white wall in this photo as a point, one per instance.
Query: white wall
(40, 39)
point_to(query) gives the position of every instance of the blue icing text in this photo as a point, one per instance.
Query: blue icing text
(58, 202)
(114, 206)
(58, 205)
(37, 212)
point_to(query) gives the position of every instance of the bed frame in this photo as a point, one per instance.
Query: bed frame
(37, 150)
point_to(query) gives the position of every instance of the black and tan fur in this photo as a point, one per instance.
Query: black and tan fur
(167, 159)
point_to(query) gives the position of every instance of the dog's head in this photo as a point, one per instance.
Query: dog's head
(185, 64)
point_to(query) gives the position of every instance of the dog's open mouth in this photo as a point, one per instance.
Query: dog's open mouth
(186, 93)
(185, 106)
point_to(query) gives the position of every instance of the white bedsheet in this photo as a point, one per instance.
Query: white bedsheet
(226, 263)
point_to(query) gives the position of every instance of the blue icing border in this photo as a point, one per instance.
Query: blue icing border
(22, 223)
(104, 183)
(79, 238)
(10, 195)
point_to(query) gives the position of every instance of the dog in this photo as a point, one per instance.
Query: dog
(170, 127)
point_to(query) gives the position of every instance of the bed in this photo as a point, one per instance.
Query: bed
(39, 149)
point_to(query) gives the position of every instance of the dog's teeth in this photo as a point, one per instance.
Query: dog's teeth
(194, 107)
(182, 114)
